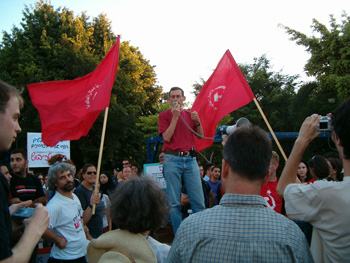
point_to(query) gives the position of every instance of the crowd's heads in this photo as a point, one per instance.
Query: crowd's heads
(139, 205)
(319, 167)
(126, 174)
(56, 170)
(89, 173)
(6, 172)
(248, 152)
(341, 125)
(275, 157)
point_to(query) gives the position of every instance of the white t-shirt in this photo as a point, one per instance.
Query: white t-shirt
(325, 205)
(66, 219)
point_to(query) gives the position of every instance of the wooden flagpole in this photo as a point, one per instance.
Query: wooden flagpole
(100, 157)
(270, 129)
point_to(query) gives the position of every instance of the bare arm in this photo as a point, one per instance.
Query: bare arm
(59, 241)
(95, 199)
(35, 226)
(306, 134)
(195, 117)
(14, 200)
(211, 199)
(41, 200)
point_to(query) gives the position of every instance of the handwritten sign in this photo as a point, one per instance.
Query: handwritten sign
(39, 153)
(155, 170)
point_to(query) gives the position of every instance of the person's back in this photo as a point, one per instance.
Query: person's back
(241, 228)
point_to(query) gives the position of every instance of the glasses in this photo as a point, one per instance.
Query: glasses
(125, 163)
(90, 173)
(175, 96)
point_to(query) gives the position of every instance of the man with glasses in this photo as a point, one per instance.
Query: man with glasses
(86, 194)
(179, 155)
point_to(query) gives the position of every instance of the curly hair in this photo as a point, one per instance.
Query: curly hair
(139, 205)
(54, 171)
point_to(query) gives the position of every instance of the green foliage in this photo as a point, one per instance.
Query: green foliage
(330, 55)
(54, 44)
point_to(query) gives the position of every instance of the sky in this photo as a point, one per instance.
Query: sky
(185, 39)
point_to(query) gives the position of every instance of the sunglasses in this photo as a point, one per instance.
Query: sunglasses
(90, 173)
(125, 163)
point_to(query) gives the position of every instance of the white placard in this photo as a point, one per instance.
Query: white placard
(155, 170)
(38, 153)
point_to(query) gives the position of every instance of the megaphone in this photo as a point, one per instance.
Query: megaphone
(227, 130)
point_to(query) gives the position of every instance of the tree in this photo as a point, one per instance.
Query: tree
(330, 55)
(56, 45)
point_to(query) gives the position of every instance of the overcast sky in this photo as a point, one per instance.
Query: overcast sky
(186, 39)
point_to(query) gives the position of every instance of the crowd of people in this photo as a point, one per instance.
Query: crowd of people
(242, 211)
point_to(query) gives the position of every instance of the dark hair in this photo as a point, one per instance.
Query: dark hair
(320, 166)
(56, 158)
(207, 167)
(341, 125)
(248, 152)
(139, 205)
(6, 93)
(338, 166)
(53, 172)
(108, 187)
(176, 88)
(86, 166)
(308, 175)
(21, 151)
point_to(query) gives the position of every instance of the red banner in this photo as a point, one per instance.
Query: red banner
(69, 108)
(225, 91)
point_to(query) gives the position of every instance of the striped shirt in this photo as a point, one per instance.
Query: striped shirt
(240, 229)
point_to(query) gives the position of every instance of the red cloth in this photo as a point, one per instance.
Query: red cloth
(225, 91)
(272, 199)
(69, 108)
(182, 139)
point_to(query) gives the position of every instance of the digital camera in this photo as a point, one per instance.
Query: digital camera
(325, 124)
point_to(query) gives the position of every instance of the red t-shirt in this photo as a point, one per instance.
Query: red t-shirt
(272, 199)
(182, 139)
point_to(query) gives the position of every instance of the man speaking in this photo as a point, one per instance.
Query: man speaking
(180, 162)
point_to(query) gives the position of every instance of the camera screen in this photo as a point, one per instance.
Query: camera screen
(323, 125)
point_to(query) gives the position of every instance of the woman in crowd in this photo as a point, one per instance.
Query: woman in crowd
(336, 168)
(303, 172)
(319, 167)
(107, 187)
(138, 206)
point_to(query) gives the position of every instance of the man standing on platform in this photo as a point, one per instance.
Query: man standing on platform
(179, 155)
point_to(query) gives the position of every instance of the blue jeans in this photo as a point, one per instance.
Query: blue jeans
(176, 168)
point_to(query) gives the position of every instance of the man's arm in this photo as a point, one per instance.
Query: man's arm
(14, 200)
(168, 134)
(95, 199)
(49, 236)
(195, 118)
(306, 134)
(34, 228)
(41, 200)
(211, 199)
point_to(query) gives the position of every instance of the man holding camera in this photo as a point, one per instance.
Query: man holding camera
(179, 155)
(10, 105)
(324, 204)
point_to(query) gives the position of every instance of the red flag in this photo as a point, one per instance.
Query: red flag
(225, 91)
(69, 108)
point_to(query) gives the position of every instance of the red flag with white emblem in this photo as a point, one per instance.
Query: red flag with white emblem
(225, 91)
(69, 108)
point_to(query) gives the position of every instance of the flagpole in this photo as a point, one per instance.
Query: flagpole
(270, 129)
(100, 156)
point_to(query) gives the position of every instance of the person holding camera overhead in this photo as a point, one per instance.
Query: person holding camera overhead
(324, 204)
(179, 155)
